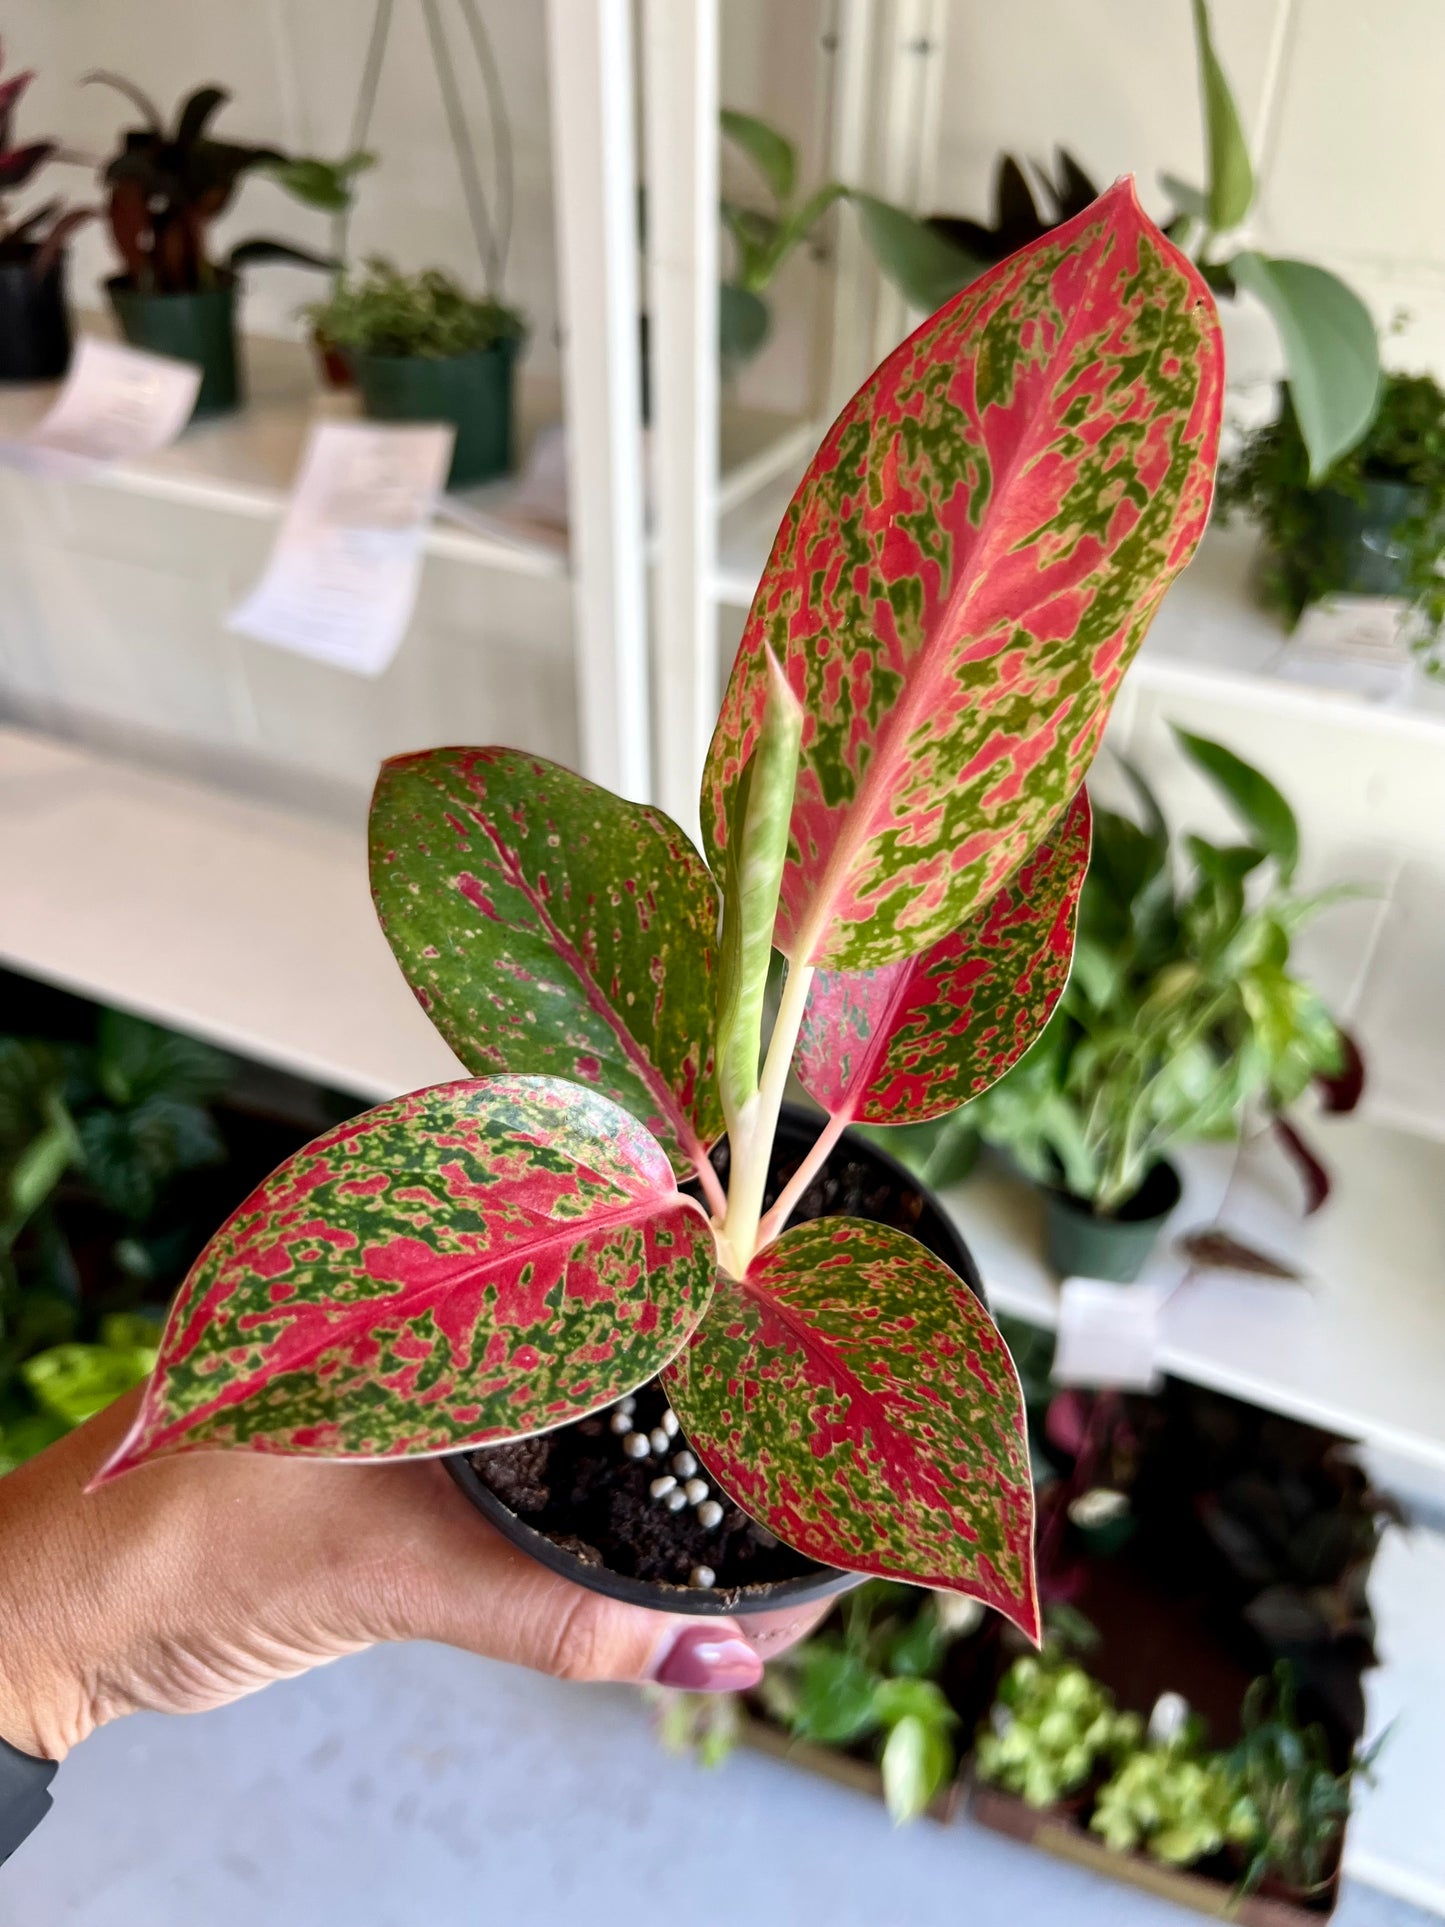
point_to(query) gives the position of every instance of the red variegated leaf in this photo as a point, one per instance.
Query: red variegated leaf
(857, 1399)
(922, 1036)
(475, 1261)
(964, 575)
(548, 927)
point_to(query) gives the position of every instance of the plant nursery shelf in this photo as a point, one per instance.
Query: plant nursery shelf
(1210, 639)
(244, 463)
(1355, 1345)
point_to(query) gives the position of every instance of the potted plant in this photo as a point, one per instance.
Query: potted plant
(166, 188)
(1052, 1729)
(331, 187)
(1326, 336)
(34, 322)
(1180, 1015)
(424, 350)
(506, 1270)
(1373, 524)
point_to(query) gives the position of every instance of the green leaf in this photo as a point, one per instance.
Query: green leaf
(136, 1059)
(856, 1398)
(743, 322)
(1231, 176)
(770, 152)
(1189, 200)
(835, 1695)
(74, 1382)
(1254, 799)
(757, 846)
(262, 247)
(918, 1038)
(327, 185)
(548, 927)
(473, 1262)
(1331, 351)
(964, 575)
(917, 1764)
(926, 269)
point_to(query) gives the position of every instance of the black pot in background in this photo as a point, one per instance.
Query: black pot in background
(34, 320)
(199, 328)
(1358, 537)
(1082, 1244)
(797, 1130)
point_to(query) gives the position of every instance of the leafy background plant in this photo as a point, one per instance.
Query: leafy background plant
(168, 185)
(44, 228)
(1269, 479)
(1182, 1011)
(381, 311)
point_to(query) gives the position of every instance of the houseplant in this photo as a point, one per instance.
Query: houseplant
(330, 187)
(1326, 335)
(1373, 524)
(1180, 1015)
(34, 322)
(893, 798)
(166, 188)
(422, 349)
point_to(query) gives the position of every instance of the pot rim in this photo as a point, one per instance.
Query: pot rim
(226, 283)
(1081, 1208)
(713, 1602)
(506, 346)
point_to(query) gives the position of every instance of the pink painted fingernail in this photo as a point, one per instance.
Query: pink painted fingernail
(702, 1661)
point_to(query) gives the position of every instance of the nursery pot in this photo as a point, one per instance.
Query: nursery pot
(334, 362)
(1081, 1243)
(857, 1180)
(472, 392)
(34, 322)
(1358, 536)
(199, 327)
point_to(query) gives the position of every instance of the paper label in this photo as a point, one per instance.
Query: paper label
(117, 404)
(1357, 644)
(342, 580)
(1108, 1335)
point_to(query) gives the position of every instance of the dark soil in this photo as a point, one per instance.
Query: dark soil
(578, 1487)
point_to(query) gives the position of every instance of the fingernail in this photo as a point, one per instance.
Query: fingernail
(702, 1662)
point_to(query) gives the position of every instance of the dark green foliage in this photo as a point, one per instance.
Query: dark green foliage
(1268, 480)
(429, 315)
(762, 237)
(166, 188)
(40, 232)
(92, 1137)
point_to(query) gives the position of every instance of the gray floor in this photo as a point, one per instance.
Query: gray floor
(415, 1786)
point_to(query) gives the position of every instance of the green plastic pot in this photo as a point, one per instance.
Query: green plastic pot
(1082, 1244)
(472, 392)
(1358, 536)
(199, 327)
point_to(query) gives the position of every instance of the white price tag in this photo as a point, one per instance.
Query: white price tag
(116, 404)
(1108, 1335)
(342, 579)
(1357, 644)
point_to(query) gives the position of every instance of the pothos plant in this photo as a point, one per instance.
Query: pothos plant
(893, 798)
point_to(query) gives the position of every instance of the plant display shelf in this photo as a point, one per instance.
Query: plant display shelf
(1210, 639)
(244, 464)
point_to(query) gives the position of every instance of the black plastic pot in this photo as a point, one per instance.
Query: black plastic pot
(199, 328)
(34, 321)
(1082, 1244)
(1359, 536)
(796, 1132)
(471, 392)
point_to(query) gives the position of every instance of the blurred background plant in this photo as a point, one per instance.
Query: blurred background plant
(37, 235)
(1051, 1729)
(429, 316)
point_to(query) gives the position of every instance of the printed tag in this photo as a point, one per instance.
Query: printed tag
(1357, 644)
(1108, 1335)
(116, 404)
(342, 580)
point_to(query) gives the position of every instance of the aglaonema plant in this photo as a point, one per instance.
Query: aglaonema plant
(892, 800)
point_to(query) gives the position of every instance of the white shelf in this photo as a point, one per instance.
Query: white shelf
(1358, 1346)
(243, 464)
(1210, 638)
(249, 926)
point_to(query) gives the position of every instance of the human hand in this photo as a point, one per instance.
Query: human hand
(195, 1580)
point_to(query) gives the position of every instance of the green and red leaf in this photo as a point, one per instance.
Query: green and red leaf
(966, 572)
(856, 1398)
(472, 1262)
(922, 1036)
(550, 928)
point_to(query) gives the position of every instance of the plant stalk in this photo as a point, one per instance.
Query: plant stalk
(752, 1142)
(777, 1219)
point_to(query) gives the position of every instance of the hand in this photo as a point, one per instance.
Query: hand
(195, 1580)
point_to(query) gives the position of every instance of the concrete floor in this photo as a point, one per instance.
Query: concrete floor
(415, 1785)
